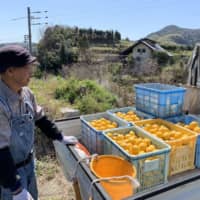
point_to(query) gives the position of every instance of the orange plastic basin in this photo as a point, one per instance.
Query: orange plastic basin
(104, 166)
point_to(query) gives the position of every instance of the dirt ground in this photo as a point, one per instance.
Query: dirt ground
(54, 186)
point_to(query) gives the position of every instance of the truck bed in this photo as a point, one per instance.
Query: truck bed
(183, 186)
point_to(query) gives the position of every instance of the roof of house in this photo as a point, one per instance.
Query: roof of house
(147, 42)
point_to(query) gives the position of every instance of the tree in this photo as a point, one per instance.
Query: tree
(62, 54)
(162, 57)
(117, 36)
(84, 49)
(55, 48)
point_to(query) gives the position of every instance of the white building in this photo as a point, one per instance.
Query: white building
(143, 49)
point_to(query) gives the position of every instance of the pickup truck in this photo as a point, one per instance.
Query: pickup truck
(183, 186)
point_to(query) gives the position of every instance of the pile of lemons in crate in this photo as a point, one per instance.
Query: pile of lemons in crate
(193, 126)
(129, 116)
(103, 124)
(164, 132)
(132, 143)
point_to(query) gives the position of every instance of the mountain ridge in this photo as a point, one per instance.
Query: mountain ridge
(175, 35)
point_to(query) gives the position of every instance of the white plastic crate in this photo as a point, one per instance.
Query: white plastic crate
(92, 138)
(140, 114)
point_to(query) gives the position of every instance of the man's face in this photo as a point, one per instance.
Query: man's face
(21, 75)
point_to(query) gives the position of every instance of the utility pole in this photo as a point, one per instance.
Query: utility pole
(30, 18)
(29, 29)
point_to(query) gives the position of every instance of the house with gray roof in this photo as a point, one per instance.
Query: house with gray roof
(143, 49)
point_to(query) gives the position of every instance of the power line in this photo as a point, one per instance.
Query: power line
(31, 18)
(15, 19)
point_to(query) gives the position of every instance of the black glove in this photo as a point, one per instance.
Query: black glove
(49, 128)
(9, 177)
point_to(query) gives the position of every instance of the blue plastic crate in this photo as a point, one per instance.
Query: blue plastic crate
(140, 114)
(159, 100)
(187, 119)
(92, 138)
(150, 172)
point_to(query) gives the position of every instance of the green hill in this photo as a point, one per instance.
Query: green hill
(175, 35)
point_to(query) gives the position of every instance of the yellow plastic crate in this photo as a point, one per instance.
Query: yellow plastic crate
(182, 153)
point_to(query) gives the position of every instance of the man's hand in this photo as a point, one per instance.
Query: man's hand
(23, 195)
(69, 140)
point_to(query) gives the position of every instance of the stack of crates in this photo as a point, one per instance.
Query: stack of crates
(159, 100)
(182, 149)
(93, 138)
(183, 120)
(139, 115)
(151, 167)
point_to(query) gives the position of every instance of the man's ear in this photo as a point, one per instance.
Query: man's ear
(10, 71)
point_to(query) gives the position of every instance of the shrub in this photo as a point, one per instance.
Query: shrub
(115, 68)
(38, 73)
(162, 57)
(130, 60)
(86, 95)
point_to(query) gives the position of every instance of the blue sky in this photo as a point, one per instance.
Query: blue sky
(132, 18)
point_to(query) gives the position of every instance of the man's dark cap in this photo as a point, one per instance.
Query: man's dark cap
(14, 56)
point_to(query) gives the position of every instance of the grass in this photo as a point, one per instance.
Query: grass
(126, 43)
(104, 50)
(44, 91)
(52, 184)
(47, 166)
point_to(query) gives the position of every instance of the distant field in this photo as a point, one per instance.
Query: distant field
(104, 49)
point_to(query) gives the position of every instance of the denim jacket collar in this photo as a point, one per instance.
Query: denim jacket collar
(10, 94)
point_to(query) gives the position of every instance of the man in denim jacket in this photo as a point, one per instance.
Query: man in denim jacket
(19, 113)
